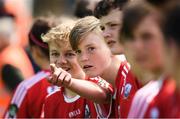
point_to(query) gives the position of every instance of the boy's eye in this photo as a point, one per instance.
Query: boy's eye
(90, 49)
(113, 25)
(70, 54)
(55, 54)
(146, 36)
(102, 28)
(78, 52)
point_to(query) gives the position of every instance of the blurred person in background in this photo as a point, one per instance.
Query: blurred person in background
(84, 8)
(143, 40)
(29, 96)
(172, 34)
(23, 18)
(14, 63)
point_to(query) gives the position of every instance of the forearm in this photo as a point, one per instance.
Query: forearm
(89, 90)
(95, 90)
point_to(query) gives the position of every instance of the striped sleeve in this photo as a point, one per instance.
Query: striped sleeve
(21, 91)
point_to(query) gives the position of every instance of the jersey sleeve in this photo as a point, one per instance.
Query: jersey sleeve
(17, 103)
(102, 83)
(126, 84)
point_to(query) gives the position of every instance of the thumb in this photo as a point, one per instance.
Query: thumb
(52, 67)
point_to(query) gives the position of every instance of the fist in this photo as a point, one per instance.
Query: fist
(59, 76)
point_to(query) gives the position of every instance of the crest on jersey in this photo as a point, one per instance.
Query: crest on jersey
(51, 89)
(127, 90)
(154, 113)
(12, 110)
(87, 112)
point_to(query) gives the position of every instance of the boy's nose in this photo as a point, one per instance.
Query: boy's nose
(61, 60)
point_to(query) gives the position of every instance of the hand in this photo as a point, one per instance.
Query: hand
(59, 76)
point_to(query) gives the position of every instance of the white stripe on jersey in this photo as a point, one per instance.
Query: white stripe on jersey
(126, 69)
(25, 85)
(124, 73)
(143, 98)
(101, 111)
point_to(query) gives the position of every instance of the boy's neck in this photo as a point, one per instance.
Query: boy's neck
(68, 93)
(111, 72)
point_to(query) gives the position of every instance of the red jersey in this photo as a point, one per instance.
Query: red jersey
(57, 105)
(126, 86)
(157, 99)
(29, 97)
(104, 110)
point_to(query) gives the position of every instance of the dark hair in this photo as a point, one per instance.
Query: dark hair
(40, 26)
(172, 24)
(81, 9)
(4, 12)
(158, 3)
(105, 6)
(133, 14)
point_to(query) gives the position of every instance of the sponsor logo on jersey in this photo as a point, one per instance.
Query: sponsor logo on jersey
(12, 110)
(74, 113)
(127, 90)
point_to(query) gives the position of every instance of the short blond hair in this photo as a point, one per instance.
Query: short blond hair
(82, 28)
(60, 34)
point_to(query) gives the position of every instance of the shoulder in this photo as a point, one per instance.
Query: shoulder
(53, 98)
(26, 85)
(34, 79)
(55, 94)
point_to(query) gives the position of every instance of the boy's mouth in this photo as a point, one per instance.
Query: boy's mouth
(111, 42)
(87, 67)
(66, 68)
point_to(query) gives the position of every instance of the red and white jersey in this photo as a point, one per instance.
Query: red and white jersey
(29, 97)
(157, 99)
(126, 86)
(103, 110)
(57, 105)
(102, 83)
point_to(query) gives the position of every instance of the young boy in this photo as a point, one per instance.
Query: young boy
(109, 13)
(96, 59)
(172, 31)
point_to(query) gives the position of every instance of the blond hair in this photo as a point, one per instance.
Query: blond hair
(82, 28)
(60, 34)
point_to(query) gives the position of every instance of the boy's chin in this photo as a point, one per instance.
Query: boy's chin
(91, 75)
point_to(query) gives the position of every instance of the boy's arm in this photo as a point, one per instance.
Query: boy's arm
(94, 91)
(90, 90)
